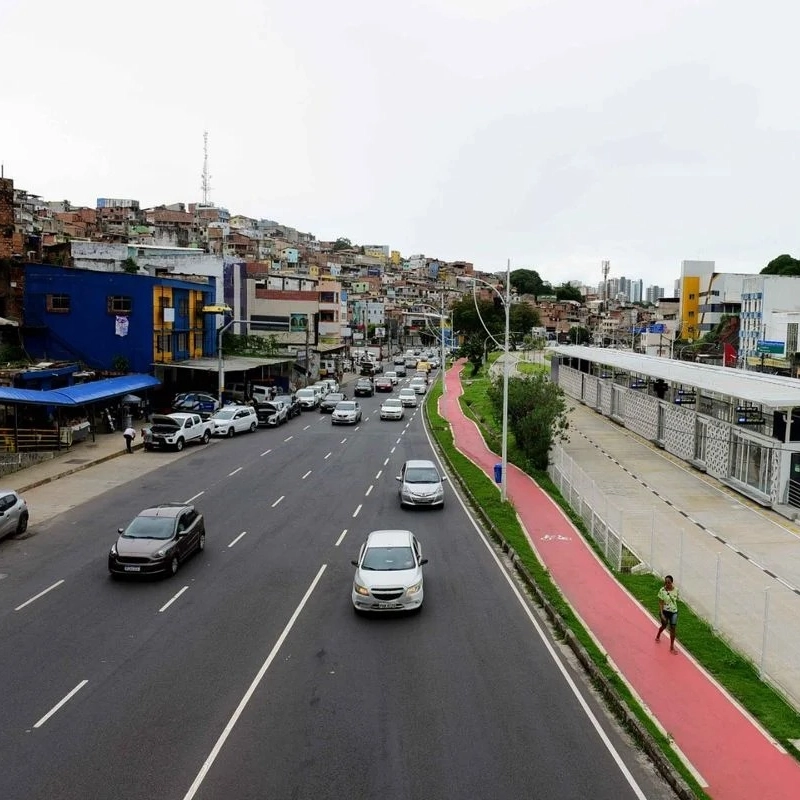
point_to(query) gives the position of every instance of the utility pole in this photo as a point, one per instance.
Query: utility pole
(605, 266)
(308, 364)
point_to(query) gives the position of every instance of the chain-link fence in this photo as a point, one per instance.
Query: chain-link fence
(753, 611)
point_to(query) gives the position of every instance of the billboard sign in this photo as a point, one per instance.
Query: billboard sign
(298, 323)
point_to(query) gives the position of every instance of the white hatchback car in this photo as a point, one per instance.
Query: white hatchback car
(234, 419)
(392, 376)
(418, 386)
(408, 398)
(13, 514)
(392, 408)
(389, 573)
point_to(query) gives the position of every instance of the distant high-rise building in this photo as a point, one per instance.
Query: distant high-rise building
(654, 294)
(635, 290)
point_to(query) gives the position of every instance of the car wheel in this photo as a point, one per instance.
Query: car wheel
(179, 445)
(148, 447)
(201, 542)
(173, 565)
(22, 525)
(229, 434)
(253, 427)
(206, 437)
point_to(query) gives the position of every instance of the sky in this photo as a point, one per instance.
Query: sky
(553, 134)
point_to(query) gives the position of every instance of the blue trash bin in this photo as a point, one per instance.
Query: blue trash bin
(498, 473)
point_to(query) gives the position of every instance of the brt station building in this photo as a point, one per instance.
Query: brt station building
(741, 427)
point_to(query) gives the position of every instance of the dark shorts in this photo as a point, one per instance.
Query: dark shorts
(671, 617)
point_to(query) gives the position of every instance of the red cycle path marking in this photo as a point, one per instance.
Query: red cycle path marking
(729, 751)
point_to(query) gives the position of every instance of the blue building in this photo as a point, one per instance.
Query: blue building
(115, 321)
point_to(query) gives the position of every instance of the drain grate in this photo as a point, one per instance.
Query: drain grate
(78, 461)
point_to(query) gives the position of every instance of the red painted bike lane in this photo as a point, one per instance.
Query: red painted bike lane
(730, 752)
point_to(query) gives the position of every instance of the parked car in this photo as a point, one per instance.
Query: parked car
(347, 412)
(309, 398)
(293, 407)
(322, 387)
(234, 419)
(421, 484)
(176, 430)
(272, 414)
(331, 401)
(388, 573)
(408, 398)
(198, 403)
(158, 540)
(392, 408)
(364, 388)
(13, 514)
(383, 384)
(392, 376)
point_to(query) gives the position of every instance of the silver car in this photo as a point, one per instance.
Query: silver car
(408, 398)
(389, 573)
(421, 484)
(13, 514)
(347, 412)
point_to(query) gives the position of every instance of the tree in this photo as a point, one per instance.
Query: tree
(527, 281)
(537, 415)
(466, 319)
(568, 292)
(342, 244)
(472, 350)
(782, 265)
(579, 335)
(523, 317)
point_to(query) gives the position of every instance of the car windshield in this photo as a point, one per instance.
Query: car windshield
(225, 413)
(150, 528)
(392, 404)
(347, 405)
(388, 558)
(305, 392)
(422, 475)
(334, 398)
(406, 392)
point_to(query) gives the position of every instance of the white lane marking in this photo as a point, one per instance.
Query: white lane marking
(60, 703)
(355, 513)
(392, 450)
(378, 475)
(306, 427)
(194, 497)
(343, 440)
(215, 751)
(306, 475)
(327, 456)
(41, 594)
(237, 538)
(288, 438)
(278, 500)
(398, 441)
(266, 452)
(238, 469)
(369, 491)
(339, 540)
(358, 427)
(407, 425)
(386, 462)
(172, 599)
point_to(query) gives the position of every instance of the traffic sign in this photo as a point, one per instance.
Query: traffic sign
(767, 346)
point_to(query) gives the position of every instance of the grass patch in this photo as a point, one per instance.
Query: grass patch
(529, 368)
(738, 675)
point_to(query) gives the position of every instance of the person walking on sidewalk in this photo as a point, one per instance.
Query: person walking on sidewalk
(129, 434)
(668, 610)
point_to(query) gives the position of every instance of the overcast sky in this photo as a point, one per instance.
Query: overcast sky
(553, 133)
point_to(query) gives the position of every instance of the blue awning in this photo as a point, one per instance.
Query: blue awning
(80, 394)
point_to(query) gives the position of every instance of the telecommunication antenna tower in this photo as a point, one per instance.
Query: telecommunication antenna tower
(206, 178)
(605, 266)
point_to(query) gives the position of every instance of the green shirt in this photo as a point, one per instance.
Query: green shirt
(670, 599)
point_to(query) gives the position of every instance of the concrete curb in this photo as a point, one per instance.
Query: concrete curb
(615, 702)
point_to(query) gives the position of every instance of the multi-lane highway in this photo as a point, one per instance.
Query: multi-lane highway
(248, 675)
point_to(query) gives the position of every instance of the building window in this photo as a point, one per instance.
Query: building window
(183, 308)
(117, 304)
(183, 342)
(58, 303)
(164, 343)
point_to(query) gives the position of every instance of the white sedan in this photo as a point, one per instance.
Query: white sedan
(408, 398)
(234, 419)
(392, 376)
(418, 386)
(392, 408)
(347, 412)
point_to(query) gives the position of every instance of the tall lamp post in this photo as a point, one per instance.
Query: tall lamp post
(220, 365)
(441, 317)
(506, 300)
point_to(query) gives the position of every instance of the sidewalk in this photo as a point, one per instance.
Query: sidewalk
(732, 756)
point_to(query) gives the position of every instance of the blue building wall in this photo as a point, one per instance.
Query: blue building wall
(69, 315)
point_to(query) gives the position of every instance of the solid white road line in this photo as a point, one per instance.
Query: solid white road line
(215, 751)
(172, 599)
(278, 500)
(355, 513)
(60, 703)
(237, 538)
(378, 475)
(194, 497)
(306, 475)
(327, 456)
(266, 452)
(288, 438)
(369, 491)
(41, 594)
(339, 540)
(238, 469)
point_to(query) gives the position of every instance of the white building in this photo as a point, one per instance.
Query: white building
(770, 313)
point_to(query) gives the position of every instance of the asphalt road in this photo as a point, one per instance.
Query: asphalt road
(248, 675)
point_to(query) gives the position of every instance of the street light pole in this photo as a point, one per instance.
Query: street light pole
(441, 332)
(506, 366)
(220, 367)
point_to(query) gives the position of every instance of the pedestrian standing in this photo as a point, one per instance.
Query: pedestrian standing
(129, 434)
(668, 610)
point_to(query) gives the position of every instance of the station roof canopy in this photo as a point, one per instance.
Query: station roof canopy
(80, 394)
(775, 391)
(229, 363)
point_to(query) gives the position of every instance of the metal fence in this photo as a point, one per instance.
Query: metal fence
(756, 614)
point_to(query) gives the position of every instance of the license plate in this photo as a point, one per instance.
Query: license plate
(133, 569)
(387, 605)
